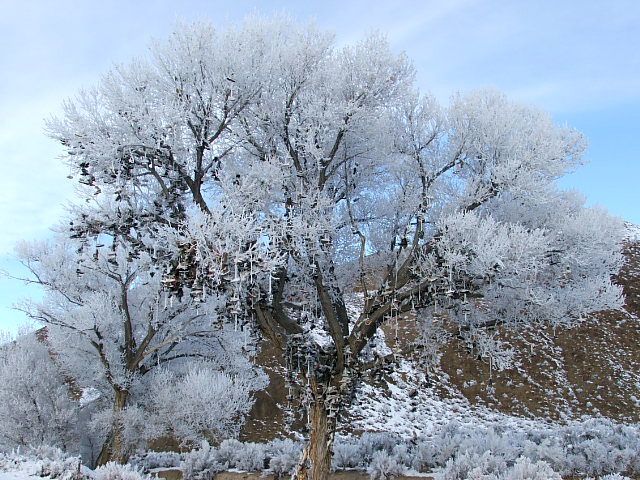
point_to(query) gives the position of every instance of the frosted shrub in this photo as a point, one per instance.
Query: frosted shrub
(46, 452)
(403, 453)
(7, 463)
(471, 466)
(477, 474)
(508, 446)
(281, 465)
(228, 450)
(447, 443)
(52, 462)
(150, 460)
(525, 469)
(284, 446)
(549, 450)
(250, 457)
(374, 442)
(384, 466)
(346, 454)
(484, 466)
(634, 463)
(597, 457)
(612, 476)
(213, 403)
(67, 469)
(599, 446)
(283, 456)
(202, 464)
(424, 456)
(116, 471)
(46, 461)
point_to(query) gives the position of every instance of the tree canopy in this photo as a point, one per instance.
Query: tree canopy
(290, 179)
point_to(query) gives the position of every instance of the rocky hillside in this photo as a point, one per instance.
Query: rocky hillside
(592, 370)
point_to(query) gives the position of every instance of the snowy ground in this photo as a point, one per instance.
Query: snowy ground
(404, 407)
(24, 471)
(19, 475)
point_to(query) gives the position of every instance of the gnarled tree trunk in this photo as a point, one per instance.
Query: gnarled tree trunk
(315, 463)
(113, 449)
(323, 408)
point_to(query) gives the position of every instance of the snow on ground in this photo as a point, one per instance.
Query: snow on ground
(386, 404)
(19, 475)
(23, 471)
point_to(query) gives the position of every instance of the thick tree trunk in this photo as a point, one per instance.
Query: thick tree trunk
(113, 449)
(315, 463)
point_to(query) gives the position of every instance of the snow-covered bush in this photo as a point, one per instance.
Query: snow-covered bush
(45, 461)
(371, 442)
(280, 456)
(149, 460)
(424, 456)
(384, 466)
(284, 455)
(282, 465)
(346, 454)
(360, 452)
(525, 469)
(252, 457)
(634, 464)
(53, 462)
(505, 445)
(227, 451)
(592, 447)
(550, 450)
(473, 466)
(403, 452)
(487, 467)
(599, 446)
(213, 403)
(612, 476)
(116, 471)
(202, 464)
(69, 468)
(7, 462)
(447, 442)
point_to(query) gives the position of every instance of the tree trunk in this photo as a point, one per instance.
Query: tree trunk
(113, 449)
(315, 463)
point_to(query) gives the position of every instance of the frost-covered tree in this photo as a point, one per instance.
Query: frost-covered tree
(37, 406)
(130, 349)
(280, 174)
(201, 388)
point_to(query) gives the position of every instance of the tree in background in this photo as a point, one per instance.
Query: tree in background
(36, 402)
(290, 179)
(132, 349)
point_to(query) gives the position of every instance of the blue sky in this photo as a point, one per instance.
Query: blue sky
(579, 60)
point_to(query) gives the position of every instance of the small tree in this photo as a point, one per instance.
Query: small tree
(209, 403)
(279, 173)
(130, 347)
(36, 403)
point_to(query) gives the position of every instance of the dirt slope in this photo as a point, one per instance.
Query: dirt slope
(593, 369)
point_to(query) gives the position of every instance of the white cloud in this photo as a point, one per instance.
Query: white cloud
(569, 55)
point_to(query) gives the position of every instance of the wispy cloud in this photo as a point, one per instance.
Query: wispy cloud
(581, 54)
(577, 58)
